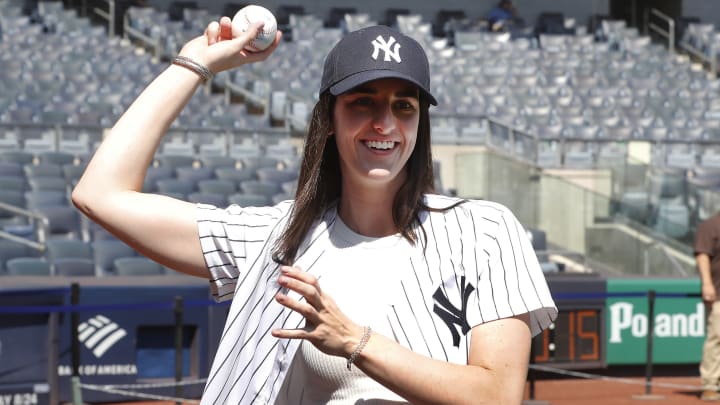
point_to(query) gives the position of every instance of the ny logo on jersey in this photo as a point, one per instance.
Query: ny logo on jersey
(379, 44)
(452, 316)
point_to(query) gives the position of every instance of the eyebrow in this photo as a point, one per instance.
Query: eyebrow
(409, 91)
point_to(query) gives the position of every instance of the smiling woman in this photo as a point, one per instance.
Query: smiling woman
(367, 286)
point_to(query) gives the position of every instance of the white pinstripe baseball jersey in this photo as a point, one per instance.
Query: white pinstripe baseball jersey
(478, 265)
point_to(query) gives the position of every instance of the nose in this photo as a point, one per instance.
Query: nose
(384, 120)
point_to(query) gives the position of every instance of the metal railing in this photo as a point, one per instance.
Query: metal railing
(107, 15)
(668, 33)
(40, 225)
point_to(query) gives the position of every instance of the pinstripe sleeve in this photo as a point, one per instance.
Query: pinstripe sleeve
(231, 240)
(510, 282)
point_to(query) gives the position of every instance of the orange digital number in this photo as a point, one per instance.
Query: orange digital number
(592, 335)
(545, 356)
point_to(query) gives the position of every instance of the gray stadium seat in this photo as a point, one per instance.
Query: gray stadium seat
(223, 187)
(73, 267)
(64, 248)
(28, 266)
(35, 199)
(106, 251)
(218, 200)
(43, 170)
(62, 221)
(137, 266)
(11, 250)
(249, 200)
(193, 174)
(175, 186)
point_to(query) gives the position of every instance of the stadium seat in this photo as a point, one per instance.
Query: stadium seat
(16, 198)
(28, 266)
(20, 157)
(215, 199)
(11, 169)
(259, 187)
(48, 183)
(72, 172)
(236, 175)
(155, 173)
(56, 157)
(249, 200)
(223, 187)
(35, 199)
(11, 250)
(216, 162)
(272, 175)
(175, 161)
(13, 182)
(106, 251)
(175, 186)
(73, 267)
(257, 162)
(137, 266)
(43, 170)
(193, 174)
(62, 221)
(64, 248)
(672, 219)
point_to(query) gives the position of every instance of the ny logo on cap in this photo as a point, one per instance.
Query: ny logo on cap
(379, 44)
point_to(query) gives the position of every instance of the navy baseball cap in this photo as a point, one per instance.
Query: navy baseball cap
(371, 53)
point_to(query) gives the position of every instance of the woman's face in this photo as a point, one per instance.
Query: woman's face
(375, 126)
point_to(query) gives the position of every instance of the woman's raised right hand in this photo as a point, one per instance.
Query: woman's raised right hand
(219, 51)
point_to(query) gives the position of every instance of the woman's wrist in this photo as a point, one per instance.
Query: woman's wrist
(358, 348)
(194, 66)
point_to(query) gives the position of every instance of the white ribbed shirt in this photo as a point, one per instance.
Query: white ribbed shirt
(477, 265)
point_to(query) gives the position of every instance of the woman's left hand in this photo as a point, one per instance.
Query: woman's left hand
(326, 327)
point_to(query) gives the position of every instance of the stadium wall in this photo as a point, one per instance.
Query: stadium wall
(707, 11)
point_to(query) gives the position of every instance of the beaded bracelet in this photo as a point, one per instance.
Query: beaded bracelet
(363, 341)
(190, 64)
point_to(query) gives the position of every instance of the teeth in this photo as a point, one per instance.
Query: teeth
(380, 144)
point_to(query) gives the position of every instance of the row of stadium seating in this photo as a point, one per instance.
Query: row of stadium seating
(568, 99)
(74, 257)
(565, 88)
(559, 88)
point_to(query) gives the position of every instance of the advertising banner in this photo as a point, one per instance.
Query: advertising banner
(679, 321)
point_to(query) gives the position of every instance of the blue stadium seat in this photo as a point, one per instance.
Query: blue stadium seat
(73, 267)
(64, 248)
(137, 266)
(28, 266)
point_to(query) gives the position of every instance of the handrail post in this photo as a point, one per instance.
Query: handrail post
(75, 345)
(53, 354)
(649, 349)
(650, 333)
(178, 347)
(111, 20)
(713, 60)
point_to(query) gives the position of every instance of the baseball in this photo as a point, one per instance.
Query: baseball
(250, 14)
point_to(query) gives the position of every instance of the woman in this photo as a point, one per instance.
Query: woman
(365, 288)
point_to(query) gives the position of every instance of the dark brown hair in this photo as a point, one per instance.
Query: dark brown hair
(319, 183)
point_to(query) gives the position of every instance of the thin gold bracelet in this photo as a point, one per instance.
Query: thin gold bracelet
(363, 341)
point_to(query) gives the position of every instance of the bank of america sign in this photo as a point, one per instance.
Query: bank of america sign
(99, 334)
